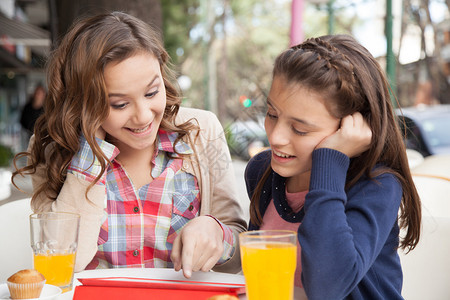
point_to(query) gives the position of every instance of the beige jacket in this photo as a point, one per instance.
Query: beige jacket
(210, 164)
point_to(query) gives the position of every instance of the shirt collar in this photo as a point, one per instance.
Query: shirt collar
(166, 142)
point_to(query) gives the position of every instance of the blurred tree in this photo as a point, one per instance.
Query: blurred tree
(179, 17)
(225, 47)
(261, 33)
(417, 13)
(64, 12)
(331, 17)
(242, 38)
(245, 36)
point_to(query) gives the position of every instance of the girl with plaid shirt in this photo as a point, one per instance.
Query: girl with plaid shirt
(153, 182)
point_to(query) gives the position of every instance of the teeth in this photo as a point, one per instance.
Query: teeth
(281, 154)
(139, 130)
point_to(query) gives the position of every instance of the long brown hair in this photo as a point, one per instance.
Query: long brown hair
(77, 101)
(351, 80)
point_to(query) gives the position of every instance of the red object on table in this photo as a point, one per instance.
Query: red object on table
(143, 288)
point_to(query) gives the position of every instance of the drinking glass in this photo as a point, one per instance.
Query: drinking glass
(269, 260)
(54, 238)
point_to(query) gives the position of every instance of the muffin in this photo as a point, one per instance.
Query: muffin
(25, 284)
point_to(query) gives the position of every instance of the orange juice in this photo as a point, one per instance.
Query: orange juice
(269, 269)
(56, 268)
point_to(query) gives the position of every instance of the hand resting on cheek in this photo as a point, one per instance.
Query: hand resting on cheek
(352, 138)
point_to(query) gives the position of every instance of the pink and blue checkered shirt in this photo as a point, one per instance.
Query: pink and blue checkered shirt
(140, 225)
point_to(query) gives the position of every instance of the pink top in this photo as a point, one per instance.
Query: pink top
(272, 220)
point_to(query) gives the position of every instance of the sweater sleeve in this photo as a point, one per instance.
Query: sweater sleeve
(342, 232)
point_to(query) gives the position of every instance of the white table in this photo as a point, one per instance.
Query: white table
(163, 273)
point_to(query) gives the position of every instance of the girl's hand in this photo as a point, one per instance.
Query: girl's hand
(198, 246)
(100, 133)
(352, 138)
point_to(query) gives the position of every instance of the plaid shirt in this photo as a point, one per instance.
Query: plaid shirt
(140, 225)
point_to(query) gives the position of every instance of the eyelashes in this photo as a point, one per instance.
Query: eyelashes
(152, 94)
(125, 104)
(118, 106)
(271, 116)
(297, 132)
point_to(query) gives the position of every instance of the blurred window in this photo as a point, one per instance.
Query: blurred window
(437, 131)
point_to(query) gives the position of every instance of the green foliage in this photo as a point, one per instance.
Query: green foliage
(234, 141)
(246, 36)
(316, 19)
(229, 136)
(261, 33)
(6, 154)
(179, 17)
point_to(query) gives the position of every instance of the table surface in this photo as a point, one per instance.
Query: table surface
(166, 273)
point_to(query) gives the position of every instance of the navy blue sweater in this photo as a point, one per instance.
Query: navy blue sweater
(349, 238)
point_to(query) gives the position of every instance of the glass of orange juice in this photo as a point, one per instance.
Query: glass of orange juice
(54, 238)
(269, 260)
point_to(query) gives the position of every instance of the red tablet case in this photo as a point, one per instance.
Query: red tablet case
(144, 288)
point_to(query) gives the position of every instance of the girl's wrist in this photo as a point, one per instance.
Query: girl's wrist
(220, 224)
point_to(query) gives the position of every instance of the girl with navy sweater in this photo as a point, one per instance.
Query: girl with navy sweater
(337, 172)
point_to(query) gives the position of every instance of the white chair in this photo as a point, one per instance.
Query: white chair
(15, 248)
(426, 269)
(5, 183)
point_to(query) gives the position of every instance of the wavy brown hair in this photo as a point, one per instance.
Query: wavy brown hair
(351, 80)
(77, 101)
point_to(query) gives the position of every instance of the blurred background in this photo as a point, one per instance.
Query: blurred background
(223, 50)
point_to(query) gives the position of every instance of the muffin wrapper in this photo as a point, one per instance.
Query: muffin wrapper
(25, 290)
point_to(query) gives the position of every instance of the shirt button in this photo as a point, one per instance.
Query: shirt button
(136, 253)
(136, 209)
(191, 207)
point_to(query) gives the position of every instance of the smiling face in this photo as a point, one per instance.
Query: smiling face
(137, 99)
(296, 122)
